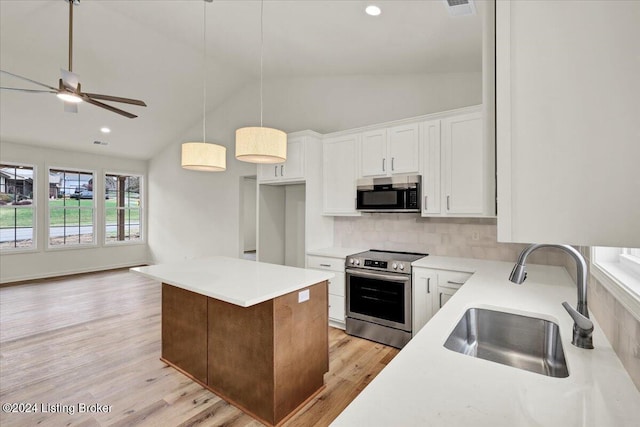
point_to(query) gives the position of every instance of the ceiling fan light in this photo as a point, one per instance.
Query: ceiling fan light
(200, 156)
(69, 97)
(261, 145)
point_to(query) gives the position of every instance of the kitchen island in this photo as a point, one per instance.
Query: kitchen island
(253, 333)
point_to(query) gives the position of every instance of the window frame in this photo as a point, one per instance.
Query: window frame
(94, 209)
(34, 206)
(141, 195)
(618, 270)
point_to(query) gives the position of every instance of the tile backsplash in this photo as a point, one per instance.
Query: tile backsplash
(621, 328)
(456, 237)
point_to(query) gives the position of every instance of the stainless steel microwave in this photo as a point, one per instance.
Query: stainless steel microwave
(400, 193)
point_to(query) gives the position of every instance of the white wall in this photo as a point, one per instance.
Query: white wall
(55, 262)
(196, 214)
(249, 214)
(294, 213)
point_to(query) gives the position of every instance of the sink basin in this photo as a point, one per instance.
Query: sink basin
(523, 342)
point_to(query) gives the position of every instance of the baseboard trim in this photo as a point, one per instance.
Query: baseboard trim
(19, 280)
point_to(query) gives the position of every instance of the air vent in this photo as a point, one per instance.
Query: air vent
(460, 7)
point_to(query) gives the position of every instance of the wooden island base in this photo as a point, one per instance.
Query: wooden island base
(268, 359)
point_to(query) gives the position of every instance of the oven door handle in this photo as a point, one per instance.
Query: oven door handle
(378, 276)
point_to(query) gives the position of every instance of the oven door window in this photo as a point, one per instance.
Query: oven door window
(381, 199)
(377, 298)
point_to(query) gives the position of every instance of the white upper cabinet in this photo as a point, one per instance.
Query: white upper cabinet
(404, 148)
(457, 167)
(389, 151)
(447, 149)
(568, 122)
(431, 167)
(463, 165)
(374, 153)
(339, 174)
(291, 170)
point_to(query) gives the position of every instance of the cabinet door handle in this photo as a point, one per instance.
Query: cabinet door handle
(425, 202)
(281, 170)
(440, 299)
(275, 171)
(383, 164)
(392, 163)
(428, 285)
(455, 283)
(325, 265)
(448, 202)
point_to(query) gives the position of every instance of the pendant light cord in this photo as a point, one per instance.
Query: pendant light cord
(71, 35)
(261, 49)
(204, 73)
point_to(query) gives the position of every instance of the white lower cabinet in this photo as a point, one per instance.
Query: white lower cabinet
(336, 310)
(336, 286)
(425, 283)
(431, 290)
(448, 284)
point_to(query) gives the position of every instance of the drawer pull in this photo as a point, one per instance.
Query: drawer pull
(325, 265)
(455, 283)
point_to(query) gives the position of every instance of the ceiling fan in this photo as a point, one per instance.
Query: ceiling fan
(69, 86)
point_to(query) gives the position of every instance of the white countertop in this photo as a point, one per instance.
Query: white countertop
(429, 385)
(236, 281)
(335, 252)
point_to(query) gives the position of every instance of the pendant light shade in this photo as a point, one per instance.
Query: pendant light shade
(199, 156)
(261, 145)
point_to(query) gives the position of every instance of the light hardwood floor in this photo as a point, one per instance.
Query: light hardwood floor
(95, 338)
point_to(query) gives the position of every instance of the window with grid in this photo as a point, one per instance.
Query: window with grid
(123, 208)
(17, 207)
(72, 211)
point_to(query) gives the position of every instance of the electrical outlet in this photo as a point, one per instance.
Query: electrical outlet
(475, 235)
(303, 296)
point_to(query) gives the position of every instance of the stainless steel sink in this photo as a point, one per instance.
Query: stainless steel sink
(523, 342)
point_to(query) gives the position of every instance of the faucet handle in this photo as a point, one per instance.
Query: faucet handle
(583, 322)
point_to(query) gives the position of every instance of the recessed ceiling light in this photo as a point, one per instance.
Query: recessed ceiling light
(105, 129)
(373, 10)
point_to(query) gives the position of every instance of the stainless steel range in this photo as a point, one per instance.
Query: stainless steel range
(378, 305)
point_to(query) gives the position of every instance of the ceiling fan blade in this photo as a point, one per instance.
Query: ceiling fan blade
(108, 107)
(69, 79)
(28, 90)
(70, 107)
(116, 99)
(29, 80)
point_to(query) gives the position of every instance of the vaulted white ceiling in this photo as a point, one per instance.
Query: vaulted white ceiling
(152, 50)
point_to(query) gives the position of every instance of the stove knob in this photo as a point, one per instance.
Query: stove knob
(395, 266)
(351, 261)
(401, 266)
(357, 262)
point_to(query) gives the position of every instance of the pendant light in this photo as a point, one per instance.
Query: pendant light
(201, 156)
(261, 144)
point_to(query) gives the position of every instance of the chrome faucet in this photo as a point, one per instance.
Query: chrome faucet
(583, 326)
